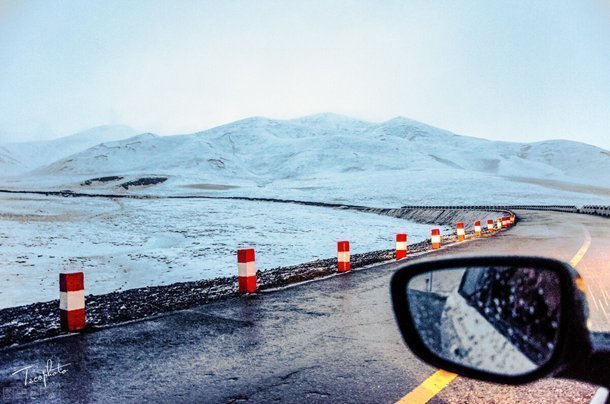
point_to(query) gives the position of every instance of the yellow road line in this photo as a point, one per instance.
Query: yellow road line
(441, 379)
(429, 388)
(583, 249)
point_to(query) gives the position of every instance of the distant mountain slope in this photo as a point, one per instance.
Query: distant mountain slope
(263, 150)
(333, 158)
(9, 164)
(19, 157)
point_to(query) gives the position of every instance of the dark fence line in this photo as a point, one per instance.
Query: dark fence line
(597, 210)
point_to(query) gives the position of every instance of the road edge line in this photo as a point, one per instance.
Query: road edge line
(429, 388)
(583, 249)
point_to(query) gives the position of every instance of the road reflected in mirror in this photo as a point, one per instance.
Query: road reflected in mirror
(503, 320)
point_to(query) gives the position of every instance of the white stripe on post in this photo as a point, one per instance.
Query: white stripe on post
(72, 300)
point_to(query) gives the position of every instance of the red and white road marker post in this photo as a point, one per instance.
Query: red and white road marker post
(490, 225)
(343, 257)
(436, 239)
(504, 221)
(72, 301)
(461, 233)
(401, 246)
(246, 270)
(477, 228)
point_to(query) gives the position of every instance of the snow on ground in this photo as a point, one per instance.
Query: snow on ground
(125, 243)
(421, 187)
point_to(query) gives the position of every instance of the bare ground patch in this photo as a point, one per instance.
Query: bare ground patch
(213, 187)
(564, 186)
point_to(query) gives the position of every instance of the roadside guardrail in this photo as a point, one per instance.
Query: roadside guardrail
(595, 210)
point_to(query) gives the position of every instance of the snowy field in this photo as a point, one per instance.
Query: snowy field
(124, 243)
(390, 189)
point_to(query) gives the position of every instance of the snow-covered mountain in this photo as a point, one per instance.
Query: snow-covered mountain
(399, 157)
(265, 150)
(19, 157)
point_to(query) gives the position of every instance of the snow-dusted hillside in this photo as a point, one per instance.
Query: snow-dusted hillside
(329, 156)
(17, 158)
(9, 164)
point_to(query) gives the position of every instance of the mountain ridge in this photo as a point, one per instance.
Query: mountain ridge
(322, 144)
(333, 157)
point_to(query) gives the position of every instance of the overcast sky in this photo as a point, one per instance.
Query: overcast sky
(514, 70)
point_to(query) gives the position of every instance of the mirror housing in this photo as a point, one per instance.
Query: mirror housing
(572, 340)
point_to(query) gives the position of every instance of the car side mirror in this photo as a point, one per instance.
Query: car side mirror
(501, 319)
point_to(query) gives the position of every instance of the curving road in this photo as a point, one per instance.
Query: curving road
(582, 240)
(328, 340)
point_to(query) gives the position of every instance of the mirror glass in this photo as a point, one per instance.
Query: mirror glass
(503, 320)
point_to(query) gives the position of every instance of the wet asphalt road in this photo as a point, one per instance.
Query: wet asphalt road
(328, 340)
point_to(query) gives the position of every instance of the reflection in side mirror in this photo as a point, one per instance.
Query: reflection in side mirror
(499, 319)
